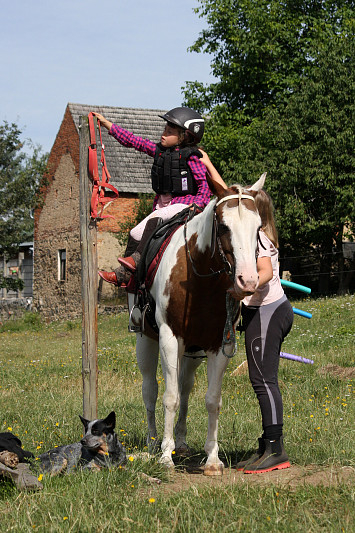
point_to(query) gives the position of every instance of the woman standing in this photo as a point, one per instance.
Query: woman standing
(267, 319)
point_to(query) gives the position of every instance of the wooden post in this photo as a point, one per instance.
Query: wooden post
(88, 246)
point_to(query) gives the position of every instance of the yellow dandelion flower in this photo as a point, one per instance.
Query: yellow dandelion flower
(65, 517)
(40, 477)
(151, 500)
(9, 429)
(131, 458)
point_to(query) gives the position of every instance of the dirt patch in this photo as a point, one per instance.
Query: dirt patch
(289, 478)
(339, 372)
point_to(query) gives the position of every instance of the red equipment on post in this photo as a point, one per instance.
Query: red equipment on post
(100, 196)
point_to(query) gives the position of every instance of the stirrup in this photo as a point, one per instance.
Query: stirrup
(135, 323)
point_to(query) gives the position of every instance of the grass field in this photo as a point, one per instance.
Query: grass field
(41, 397)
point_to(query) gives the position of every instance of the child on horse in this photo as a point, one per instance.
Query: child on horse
(267, 319)
(178, 178)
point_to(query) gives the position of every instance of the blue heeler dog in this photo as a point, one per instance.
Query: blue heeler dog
(98, 448)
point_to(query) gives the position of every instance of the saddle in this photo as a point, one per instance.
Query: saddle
(142, 315)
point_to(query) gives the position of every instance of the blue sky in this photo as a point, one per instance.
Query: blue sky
(107, 52)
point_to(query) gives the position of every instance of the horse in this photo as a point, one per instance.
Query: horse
(207, 268)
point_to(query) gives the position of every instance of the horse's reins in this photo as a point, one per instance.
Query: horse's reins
(228, 269)
(210, 274)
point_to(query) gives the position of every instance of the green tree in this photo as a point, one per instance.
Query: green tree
(292, 117)
(307, 146)
(20, 174)
(261, 47)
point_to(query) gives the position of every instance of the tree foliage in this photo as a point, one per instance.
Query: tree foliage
(20, 174)
(284, 103)
(261, 47)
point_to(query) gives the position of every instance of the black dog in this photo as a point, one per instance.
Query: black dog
(98, 448)
(13, 446)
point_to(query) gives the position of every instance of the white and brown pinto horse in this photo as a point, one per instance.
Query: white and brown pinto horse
(190, 290)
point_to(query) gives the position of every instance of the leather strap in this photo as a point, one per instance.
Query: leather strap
(100, 196)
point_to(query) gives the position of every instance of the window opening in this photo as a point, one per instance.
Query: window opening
(62, 265)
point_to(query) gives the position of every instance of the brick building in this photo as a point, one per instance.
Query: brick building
(57, 259)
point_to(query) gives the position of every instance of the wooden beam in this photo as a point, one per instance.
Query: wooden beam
(88, 245)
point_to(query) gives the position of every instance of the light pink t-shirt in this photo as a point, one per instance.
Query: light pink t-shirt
(272, 290)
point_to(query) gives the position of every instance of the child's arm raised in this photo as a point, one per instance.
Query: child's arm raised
(212, 171)
(106, 123)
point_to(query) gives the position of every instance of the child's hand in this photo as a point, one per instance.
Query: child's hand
(106, 123)
(99, 117)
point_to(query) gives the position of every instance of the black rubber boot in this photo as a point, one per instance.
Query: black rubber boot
(273, 458)
(242, 464)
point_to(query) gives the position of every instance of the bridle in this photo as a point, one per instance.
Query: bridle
(227, 268)
(232, 306)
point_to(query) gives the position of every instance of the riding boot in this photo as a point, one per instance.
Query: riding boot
(119, 277)
(273, 458)
(132, 245)
(131, 262)
(242, 464)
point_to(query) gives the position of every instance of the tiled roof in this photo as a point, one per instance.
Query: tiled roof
(129, 169)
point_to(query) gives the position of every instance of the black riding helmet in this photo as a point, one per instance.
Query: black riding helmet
(188, 119)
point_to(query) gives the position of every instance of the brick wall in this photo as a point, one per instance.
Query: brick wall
(121, 209)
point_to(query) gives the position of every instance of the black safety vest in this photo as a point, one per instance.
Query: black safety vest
(171, 173)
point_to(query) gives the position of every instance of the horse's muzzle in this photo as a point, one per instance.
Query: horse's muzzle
(247, 283)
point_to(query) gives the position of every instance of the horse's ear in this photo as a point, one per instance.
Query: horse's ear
(258, 184)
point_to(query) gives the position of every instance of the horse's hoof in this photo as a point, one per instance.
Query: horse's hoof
(167, 462)
(183, 451)
(213, 470)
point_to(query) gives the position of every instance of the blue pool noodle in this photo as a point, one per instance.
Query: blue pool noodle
(302, 313)
(295, 286)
